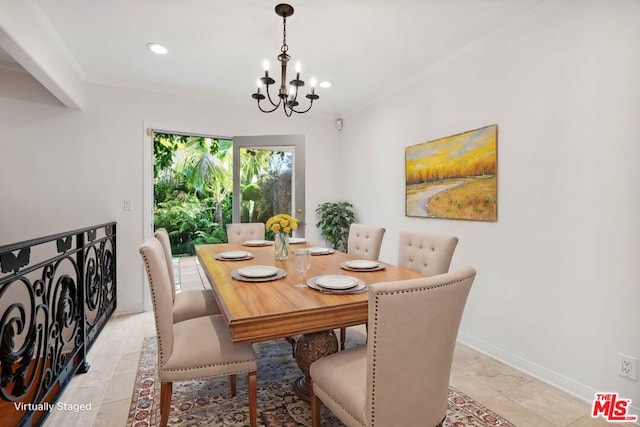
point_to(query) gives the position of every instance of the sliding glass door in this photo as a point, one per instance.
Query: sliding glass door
(268, 178)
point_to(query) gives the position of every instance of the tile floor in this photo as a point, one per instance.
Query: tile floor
(114, 358)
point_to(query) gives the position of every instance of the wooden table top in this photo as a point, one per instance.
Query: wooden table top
(259, 311)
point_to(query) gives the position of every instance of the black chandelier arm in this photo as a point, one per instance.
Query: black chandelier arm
(276, 105)
(310, 96)
(259, 97)
(288, 111)
(303, 111)
(267, 111)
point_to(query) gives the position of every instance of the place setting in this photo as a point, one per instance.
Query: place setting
(362, 265)
(257, 243)
(315, 250)
(297, 240)
(337, 284)
(234, 256)
(258, 273)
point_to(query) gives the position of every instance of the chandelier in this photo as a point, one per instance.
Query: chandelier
(287, 97)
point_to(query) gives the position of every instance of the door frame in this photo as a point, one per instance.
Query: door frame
(147, 184)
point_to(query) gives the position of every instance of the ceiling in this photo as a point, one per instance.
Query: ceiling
(216, 48)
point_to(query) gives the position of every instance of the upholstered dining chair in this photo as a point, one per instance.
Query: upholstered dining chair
(400, 377)
(189, 303)
(426, 253)
(194, 348)
(240, 232)
(364, 241)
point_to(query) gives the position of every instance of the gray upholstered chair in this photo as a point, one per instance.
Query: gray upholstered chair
(186, 304)
(401, 376)
(195, 348)
(426, 253)
(365, 241)
(240, 232)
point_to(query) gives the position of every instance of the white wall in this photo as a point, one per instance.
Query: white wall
(62, 169)
(558, 285)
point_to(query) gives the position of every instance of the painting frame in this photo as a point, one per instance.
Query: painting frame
(454, 177)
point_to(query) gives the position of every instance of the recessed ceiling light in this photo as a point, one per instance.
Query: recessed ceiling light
(157, 48)
(325, 84)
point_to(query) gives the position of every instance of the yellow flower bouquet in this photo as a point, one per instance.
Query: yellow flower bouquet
(282, 225)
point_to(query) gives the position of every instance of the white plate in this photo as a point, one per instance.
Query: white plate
(295, 240)
(256, 242)
(337, 282)
(358, 288)
(234, 254)
(361, 264)
(258, 271)
(319, 251)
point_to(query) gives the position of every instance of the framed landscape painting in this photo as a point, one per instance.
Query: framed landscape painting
(454, 177)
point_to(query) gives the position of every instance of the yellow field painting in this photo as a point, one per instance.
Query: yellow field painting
(454, 177)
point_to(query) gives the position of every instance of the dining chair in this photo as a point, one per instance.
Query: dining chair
(240, 232)
(364, 242)
(187, 304)
(426, 253)
(194, 348)
(400, 377)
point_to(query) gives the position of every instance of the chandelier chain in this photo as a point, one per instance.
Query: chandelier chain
(284, 47)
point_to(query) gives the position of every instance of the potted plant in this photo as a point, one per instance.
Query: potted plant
(334, 223)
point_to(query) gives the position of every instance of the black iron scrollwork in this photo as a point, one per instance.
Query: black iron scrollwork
(99, 282)
(51, 311)
(15, 361)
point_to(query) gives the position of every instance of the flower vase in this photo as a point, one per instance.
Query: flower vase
(282, 246)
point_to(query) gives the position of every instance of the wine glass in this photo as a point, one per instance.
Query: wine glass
(302, 264)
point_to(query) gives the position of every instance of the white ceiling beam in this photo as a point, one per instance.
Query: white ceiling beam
(29, 38)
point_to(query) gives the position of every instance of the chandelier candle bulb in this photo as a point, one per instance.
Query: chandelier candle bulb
(313, 83)
(298, 69)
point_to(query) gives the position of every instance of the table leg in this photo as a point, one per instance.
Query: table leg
(309, 348)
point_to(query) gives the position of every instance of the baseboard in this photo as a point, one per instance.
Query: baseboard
(561, 382)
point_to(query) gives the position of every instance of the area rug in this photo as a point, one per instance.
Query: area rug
(208, 402)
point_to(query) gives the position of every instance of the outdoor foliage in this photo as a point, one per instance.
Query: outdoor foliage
(193, 183)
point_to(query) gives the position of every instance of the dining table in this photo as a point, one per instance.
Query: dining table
(265, 308)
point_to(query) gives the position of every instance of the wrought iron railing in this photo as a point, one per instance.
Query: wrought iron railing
(56, 295)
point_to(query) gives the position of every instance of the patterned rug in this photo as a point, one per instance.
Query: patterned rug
(208, 402)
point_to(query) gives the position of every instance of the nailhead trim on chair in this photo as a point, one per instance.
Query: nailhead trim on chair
(153, 298)
(375, 325)
(345, 409)
(215, 364)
